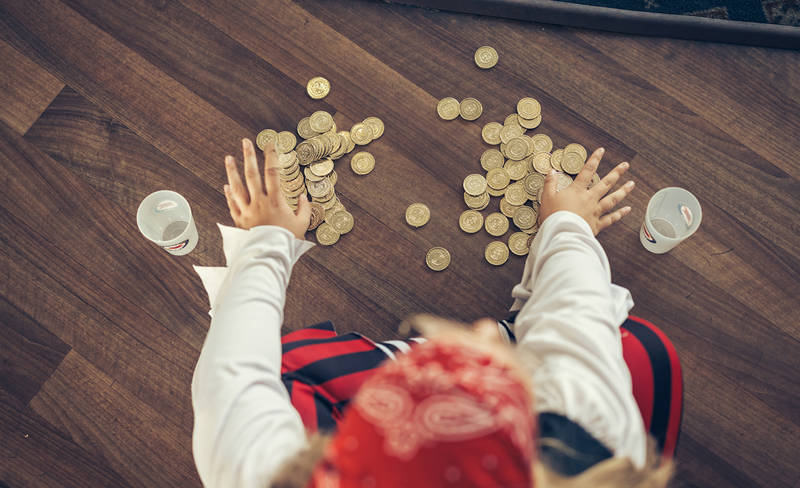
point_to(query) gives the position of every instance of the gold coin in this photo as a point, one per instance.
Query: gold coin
(326, 234)
(497, 178)
(470, 109)
(507, 209)
(475, 184)
(486, 57)
(476, 203)
(376, 125)
(470, 221)
(317, 215)
(304, 128)
(286, 141)
(318, 87)
(311, 176)
(532, 231)
(418, 214)
(516, 169)
(496, 253)
(319, 189)
(532, 183)
(541, 162)
(555, 159)
(496, 224)
(529, 108)
(572, 162)
(518, 243)
(575, 147)
(517, 148)
(491, 159)
(266, 136)
(362, 163)
(321, 168)
(320, 121)
(361, 134)
(341, 221)
(509, 132)
(515, 194)
(530, 124)
(438, 258)
(525, 217)
(448, 108)
(495, 193)
(542, 143)
(511, 119)
(491, 133)
(562, 181)
(333, 177)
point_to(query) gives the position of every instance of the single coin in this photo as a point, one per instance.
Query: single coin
(361, 134)
(510, 131)
(562, 181)
(525, 217)
(304, 128)
(286, 141)
(470, 109)
(332, 207)
(322, 167)
(572, 162)
(470, 221)
(362, 163)
(507, 209)
(515, 194)
(342, 221)
(491, 159)
(496, 224)
(511, 119)
(288, 161)
(541, 162)
(496, 253)
(333, 177)
(575, 147)
(418, 214)
(319, 189)
(320, 121)
(318, 87)
(542, 143)
(517, 148)
(532, 183)
(266, 136)
(477, 203)
(530, 123)
(486, 57)
(475, 184)
(438, 258)
(497, 178)
(448, 108)
(529, 108)
(491, 133)
(376, 125)
(518, 243)
(529, 142)
(555, 159)
(317, 215)
(326, 234)
(516, 169)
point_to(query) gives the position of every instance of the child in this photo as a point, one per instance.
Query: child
(253, 401)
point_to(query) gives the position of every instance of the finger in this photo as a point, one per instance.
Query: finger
(611, 201)
(585, 176)
(251, 174)
(232, 206)
(237, 191)
(612, 218)
(550, 185)
(271, 174)
(608, 182)
(304, 210)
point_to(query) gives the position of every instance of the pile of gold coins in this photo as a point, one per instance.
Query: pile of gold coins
(514, 172)
(322, 144)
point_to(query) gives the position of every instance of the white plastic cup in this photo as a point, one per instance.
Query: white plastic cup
(672, 215)
(165, 218)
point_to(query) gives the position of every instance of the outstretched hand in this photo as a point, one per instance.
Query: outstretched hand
(262, 203)
(592, 204)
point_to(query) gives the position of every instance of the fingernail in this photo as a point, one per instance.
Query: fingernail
(602, 150)
(625, 165)
(630, 184)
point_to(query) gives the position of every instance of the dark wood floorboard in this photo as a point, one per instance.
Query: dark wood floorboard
(103, 104)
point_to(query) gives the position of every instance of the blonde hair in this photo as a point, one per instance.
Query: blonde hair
(615, 472)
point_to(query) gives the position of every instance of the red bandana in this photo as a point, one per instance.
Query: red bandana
(441, 415)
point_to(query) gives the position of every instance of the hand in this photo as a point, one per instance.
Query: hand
(592, 204)
(260, 205)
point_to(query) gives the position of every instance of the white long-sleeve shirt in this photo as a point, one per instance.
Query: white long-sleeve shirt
(569, 313)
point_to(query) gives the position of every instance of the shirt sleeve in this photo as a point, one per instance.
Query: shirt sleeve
(568, 327)
(244, 423)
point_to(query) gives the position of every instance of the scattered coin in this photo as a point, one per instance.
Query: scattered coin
(491, 133)
(496, 224)
(562, 181)
(516, 169)
(530, 123)
(376, 125)
(533, 182)
(575, 147)
(510, 131)
(475, 184)
(517, 148)
(438, 258)
(418, 214)
(266, 136)
(492, 158)
(477, 203)
(542, 143)
(507, 209)
(362, 163)
(572, 162)
(486, 57)
(541, 162)
(317, 215)
(448, 108)
(318, 87)
(361, 134)
(515, 194)
(470, 221)
(326, 234)
(496, 253)
(555, 159)
(518, 243)
(341, 221)
(320, 121)
(525, 217)
(470, 109)
(529, 108)
(323, 167)
(497, 178)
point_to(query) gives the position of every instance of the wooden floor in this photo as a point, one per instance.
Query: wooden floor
(104, 103)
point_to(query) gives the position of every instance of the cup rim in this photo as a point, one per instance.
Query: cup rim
(139, 212)
(695, 224)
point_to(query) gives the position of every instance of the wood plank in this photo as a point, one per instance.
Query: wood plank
(28, 353)
(138, 441)
(25, 89)
(37, 455)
